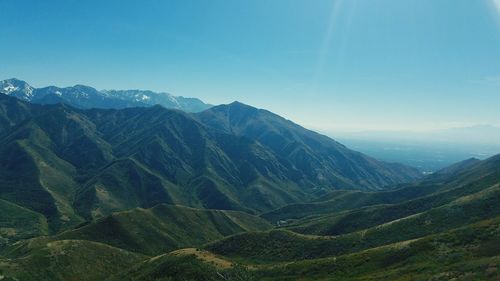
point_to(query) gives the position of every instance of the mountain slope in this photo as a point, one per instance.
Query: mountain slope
(14, 111)
(447, 256)
(365, 217)
(321, 161)
(466, 253)
(81, 96)
(287, 245)
(86, 155)
(164, 228)
(445, 226)
(17, 88)
(186, 264)
(18, 223)
(198, 167)
(469, 195)
(85, 164)
(68, 260)
(28, 179)
(344, 200)
(443, 186)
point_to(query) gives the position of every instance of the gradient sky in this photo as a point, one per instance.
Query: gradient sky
(328, 65)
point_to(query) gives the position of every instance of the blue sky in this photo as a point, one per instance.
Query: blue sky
(329, 65)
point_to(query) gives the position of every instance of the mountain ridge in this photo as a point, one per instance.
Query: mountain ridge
(82, 96)
(307, 150)
(85, 164)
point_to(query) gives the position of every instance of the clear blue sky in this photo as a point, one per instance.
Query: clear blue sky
(329, 65)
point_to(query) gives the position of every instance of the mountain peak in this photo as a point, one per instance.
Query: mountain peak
(240, 105)
(83, 96)
(236, 103)
(14, 82)
(235, 109)
(85, 88)
(17, 88)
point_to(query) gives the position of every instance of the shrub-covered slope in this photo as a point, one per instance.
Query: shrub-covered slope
(444, 186)
(165, 228)
(73, 165)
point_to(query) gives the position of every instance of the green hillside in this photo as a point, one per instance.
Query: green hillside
(18, 223)
(186, 264)
(443, 187)
(458, 200)
(68, 260)
(344, 200)
(444, 227)
(165, 228)
(358, 219)
(468, 253)
(281, 245)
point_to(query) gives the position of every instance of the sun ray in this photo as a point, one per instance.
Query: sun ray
(326, 43)
(495, 10)
(496, 7)
(496, 3)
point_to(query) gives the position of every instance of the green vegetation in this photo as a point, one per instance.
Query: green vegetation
(472, 199)
(344, 200)
(69, 260)
(18, 223)
(165, 228)
(188, 264)
(468, 253)
(73, 165)
(317, 160)
(444, 186)
(358, 219)
(84, 194)
(281, 245)
(441, 243)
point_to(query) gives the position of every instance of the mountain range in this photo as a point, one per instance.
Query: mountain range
(97, 187)
(81, 96)
(72, 165)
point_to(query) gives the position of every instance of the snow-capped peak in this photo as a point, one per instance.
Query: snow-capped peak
(82, 96)
(9, 88)
(17, 88)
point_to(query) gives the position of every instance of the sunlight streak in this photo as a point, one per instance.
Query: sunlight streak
(496, 3)
(326, 44)
(331, 40)
(496, 7)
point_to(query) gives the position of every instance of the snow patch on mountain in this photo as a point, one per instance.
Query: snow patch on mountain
(82, 96)
(142, 97)
(10, 88)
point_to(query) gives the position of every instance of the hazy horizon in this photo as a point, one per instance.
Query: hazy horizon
(332, 66)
